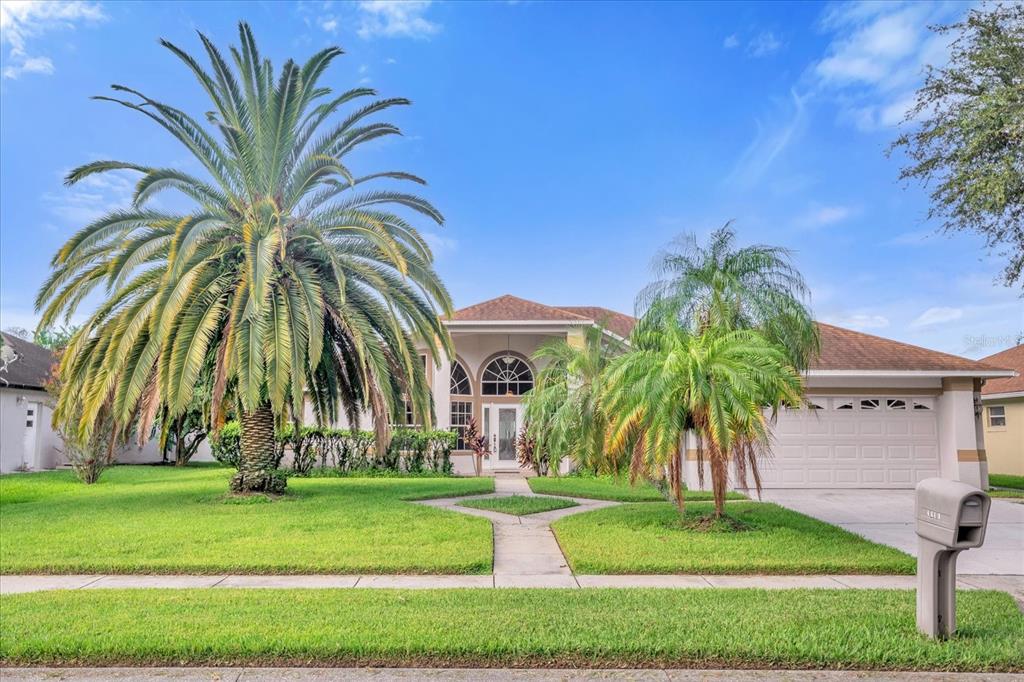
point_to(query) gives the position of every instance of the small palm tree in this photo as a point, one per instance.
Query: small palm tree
(716, 383)
(564, 412)
(290, 276)
(754, 287)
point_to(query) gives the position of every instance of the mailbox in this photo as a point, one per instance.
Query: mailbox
(951, 517)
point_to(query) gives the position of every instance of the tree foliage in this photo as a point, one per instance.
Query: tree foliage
(294, 275)
(966, 137)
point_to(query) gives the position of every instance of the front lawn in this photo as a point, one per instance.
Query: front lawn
(143, 519)
(519, 505)
(837, 629)
(1006, 481)
(649, 539)
(613, 488)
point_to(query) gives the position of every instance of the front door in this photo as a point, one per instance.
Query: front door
(504, 428)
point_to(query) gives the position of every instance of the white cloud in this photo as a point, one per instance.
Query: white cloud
(731, 41)
(822, 216)
(877, 55)
(93, 197)
(440, 244)
(857, 321)
(763, 44)
(23, 20)
(390, 60)
(937, 315)
(768, 143)
(329, 24)
(395, 18)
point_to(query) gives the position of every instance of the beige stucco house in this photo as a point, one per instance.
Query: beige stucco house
(1003, 416)
(883, 414)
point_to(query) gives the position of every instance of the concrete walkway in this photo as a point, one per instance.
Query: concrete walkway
(887, 517)
(526, 553)
(469, 675)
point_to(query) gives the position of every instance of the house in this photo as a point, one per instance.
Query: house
(1003, 417)
(27, 438)
(881, 414)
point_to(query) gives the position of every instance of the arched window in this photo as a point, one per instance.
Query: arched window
(506, 375)
(460, 380)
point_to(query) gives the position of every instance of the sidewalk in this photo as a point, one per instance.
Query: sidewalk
(470, 675)
(14, 584)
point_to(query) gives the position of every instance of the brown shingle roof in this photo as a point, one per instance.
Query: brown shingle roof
(513, 308)
(31, 365)
(1011, 358)
(845, 349)
(841, 349)
(614, 321)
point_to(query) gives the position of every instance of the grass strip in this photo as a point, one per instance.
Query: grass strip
(519, 505)
(616, 489)
(837, 629)
(650, 539)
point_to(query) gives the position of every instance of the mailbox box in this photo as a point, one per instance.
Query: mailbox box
(951, 513)
(951, 517)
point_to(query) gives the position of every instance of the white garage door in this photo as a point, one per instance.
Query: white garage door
(855, 442)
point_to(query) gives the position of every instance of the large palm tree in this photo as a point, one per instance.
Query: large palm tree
(719, 284)
(564, 414)
(715, 382)
(292, 277)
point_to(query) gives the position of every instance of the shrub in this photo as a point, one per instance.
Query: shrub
(226, 444)
(89, 458)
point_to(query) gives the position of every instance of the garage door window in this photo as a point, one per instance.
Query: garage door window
(923, 404)
(844, 404)
(997, 416)
(895, 404)
(870, 404)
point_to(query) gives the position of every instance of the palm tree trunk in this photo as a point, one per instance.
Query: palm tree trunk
(257, 465)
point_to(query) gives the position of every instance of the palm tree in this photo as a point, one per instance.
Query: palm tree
(754, 287)
(564, 414)
(716, 382)
(295, 279)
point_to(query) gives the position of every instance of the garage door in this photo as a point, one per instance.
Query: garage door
(859, 442)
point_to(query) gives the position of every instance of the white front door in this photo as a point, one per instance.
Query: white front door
(31, 436)
(503, 428)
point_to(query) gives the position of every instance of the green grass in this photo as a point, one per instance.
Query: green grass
(141, 519)
(1006, 481)
(1007, 494)
(519, 505)
(648, 538)
(838, 629)
(613, 488)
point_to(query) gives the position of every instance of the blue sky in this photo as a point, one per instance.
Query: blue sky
(564, 142)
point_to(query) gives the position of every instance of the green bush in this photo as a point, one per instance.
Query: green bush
(321, 449)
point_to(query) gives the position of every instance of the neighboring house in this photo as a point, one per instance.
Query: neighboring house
(27, 438)
(1003, 418)
(883, 414)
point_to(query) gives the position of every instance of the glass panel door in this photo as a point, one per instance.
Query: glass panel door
(507, 434)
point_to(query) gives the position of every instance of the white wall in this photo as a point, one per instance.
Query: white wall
(13, 417)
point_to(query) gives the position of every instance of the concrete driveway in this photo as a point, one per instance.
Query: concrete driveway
(887, 516)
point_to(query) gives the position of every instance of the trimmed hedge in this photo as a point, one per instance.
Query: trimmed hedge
(330, 451)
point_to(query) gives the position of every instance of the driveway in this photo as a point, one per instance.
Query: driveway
(887, 516)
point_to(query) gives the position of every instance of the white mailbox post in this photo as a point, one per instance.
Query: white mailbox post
(951, 517)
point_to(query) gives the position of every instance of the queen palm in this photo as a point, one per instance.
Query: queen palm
(564, 413)
(718, 284)
(716, 382)
(290, 276)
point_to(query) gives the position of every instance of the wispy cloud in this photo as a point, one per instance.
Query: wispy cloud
(763, 44)
(877, 55)
(21, 21)
(936, 315)
(440, 244)
(395, 19)
(860, 321)
(93, 197)
(823, 216)
(731, 42)
(772, 138)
